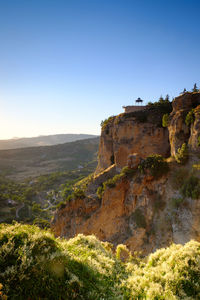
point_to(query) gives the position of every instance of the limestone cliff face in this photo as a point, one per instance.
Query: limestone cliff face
(179, 132)
(138, 209)
(194, 140)
(138, 132)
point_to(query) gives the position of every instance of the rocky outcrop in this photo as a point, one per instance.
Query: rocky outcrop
(138, 132)
(138, 209)
(136, 212)
(194, 140)
(179, 132)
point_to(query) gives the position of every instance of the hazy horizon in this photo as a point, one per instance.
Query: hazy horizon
(43, 135)
(67, 65)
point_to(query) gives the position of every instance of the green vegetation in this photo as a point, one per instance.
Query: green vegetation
(171, 273)
(155, 164)
(83, 183)
(125, 172)
(163, 105)
(78, 194)
(106, 122)
(165, 120)
(199, 141)
(35, 265)
(191, 187)
(37, 199)
(187, 183)
(182, 154)
(195, 89)
(190, 118)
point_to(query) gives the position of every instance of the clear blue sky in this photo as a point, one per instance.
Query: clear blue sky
(66, 65)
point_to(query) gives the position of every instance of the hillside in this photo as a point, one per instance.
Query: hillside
(35, 265)
(146, 189)
(19, 164)
(34, 181)
(44, 140)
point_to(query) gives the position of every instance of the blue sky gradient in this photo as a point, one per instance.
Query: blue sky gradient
(67, 65)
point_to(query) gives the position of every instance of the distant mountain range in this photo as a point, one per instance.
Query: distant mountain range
(44, 140)
(35, 161)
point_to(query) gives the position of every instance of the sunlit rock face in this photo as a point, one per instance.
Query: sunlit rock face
(139, 132)
(179, 132)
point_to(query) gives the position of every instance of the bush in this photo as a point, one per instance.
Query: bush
(170, 273)
(111, 183)
(100, 192)
(78, 194)
(61, 205)
(190, 117)
(106, 122)
(155, 164)
(35, 265)
(191, 188)
(182, 154)
(165, 120)
(126, 171)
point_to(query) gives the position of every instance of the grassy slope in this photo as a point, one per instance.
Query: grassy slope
(35, 265)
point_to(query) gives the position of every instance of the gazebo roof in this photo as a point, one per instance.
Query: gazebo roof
(139, 100)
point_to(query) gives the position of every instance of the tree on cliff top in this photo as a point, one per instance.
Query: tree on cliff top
(195, 88)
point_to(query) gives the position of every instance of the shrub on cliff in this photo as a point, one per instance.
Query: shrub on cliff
(78, 193)
(191, 187)
(190, 118)
(155, 164)
(165, 120)
(111, 183)
(126, 171)
(106, 122)
(182, 154)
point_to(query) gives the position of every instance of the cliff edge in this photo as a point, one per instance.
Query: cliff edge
(145, 191)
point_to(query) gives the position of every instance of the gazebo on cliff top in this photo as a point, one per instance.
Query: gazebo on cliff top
(137, 107)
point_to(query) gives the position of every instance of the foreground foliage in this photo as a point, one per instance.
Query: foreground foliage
(155, 164)
(35, 265)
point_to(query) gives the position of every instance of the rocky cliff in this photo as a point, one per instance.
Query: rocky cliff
(141, 201)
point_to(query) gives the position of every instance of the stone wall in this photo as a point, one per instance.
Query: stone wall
(132, 108)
